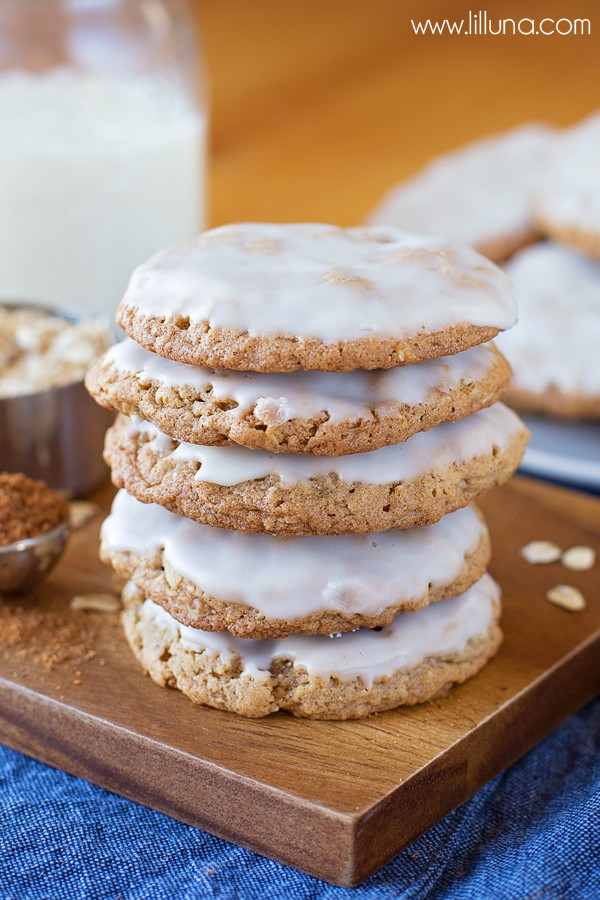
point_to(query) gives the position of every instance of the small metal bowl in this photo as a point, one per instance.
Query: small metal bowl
(56, 435)
(24, 563)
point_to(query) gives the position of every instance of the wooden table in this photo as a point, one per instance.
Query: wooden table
(335, 799)
(318, 106)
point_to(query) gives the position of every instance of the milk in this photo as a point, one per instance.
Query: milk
(96, 174)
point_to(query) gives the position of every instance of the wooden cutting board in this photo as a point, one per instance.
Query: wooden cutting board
(335, 799)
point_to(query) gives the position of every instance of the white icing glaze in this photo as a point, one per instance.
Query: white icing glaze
(322, 282)
(558, 334)
(276, 398)
(478, 193)
(285, 578)
(569, 189)
(440, 629)
(425, 452)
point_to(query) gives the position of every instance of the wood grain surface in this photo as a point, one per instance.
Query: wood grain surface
(336, 799)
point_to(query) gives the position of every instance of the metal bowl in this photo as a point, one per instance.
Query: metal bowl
(56, 435)
(24, 563)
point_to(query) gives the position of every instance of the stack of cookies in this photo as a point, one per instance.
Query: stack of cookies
(306, 414)
(554, 349)
(529, 197)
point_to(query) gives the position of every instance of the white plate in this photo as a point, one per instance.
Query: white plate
(564, 451)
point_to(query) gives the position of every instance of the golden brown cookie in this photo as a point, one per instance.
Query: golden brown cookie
(331, 413)
(420, 655)
(567, 204)
(259, 585)
(553, 347)
(414, 483)
(271, 298)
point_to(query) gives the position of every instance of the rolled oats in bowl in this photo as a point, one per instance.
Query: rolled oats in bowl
(50, 428)
(40, 349)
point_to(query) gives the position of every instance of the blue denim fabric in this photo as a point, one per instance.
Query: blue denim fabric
(534, 832)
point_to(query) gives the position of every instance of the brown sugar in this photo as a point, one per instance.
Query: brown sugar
(27, 508)
(43, 638)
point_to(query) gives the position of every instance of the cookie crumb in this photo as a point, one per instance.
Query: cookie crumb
(81, 511)
(579, 558)
(567, 597)
(105, 603)
(541, 553)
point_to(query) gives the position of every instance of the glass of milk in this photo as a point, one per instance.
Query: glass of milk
(102, 144)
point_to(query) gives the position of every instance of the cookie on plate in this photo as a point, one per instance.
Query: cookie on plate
(480, 194)
(268, 297)
(568, 195)
(261, 585)
(553, 349)
(413, 483)
(331, 413)
(420, 655)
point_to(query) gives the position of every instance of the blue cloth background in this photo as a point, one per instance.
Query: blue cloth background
(533, 832)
